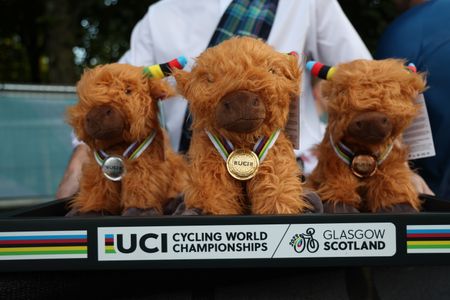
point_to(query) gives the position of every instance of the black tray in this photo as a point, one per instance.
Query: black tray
(40, 238)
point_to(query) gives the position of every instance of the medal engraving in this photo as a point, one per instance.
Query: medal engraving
(242, 164)
(363, 166)
(113, 168)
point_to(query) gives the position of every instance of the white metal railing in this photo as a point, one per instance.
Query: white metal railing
(15, 87)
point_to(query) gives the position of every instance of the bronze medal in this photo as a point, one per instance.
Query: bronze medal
(363, 166)
(113, 168)
(242, 164)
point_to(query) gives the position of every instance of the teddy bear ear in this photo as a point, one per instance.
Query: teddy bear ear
(160, 89)
(417, 82)
(295, 56)
(182, 77)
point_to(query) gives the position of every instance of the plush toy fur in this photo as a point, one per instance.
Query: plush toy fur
(117, 106)
(241, 90)
(383, 88)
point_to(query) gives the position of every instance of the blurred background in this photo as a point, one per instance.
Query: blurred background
(44, 47)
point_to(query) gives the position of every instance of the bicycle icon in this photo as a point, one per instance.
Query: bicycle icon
(306, 241)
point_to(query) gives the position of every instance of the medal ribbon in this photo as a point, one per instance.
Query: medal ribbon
(263, 145)
(261, 148)
(132, 152)
(161, 118)
(346, 155)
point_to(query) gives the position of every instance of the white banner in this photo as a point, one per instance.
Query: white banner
(189, 242)
(259, 241)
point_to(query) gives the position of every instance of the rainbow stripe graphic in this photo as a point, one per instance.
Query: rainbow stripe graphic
(43, 245)
(428, 238)
(109, 244)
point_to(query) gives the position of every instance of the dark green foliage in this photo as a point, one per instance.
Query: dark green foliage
(39, 38)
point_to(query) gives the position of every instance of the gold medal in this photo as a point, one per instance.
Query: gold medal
(113, 168)
(363, 166)
(242, 164)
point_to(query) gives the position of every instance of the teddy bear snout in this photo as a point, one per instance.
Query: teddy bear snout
(370, 127)
(104, 122)
(240, 111)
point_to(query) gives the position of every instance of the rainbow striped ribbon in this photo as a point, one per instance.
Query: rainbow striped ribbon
(132, 152)
(428, 238)
(261, 148)
(43, 245)
(346, 155)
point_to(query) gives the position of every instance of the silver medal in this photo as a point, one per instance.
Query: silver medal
(113, 168)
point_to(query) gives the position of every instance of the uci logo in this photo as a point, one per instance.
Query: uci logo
(126, 244)
(303, 241)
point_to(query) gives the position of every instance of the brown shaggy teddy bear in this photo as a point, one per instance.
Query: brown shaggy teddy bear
(362, 161)
(240, 158)
(132, 170)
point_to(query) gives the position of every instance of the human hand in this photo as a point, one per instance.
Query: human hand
(70, 182)
(420, 185)
(68, 186)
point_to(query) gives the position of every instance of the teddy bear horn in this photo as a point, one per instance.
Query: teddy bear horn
(412, 67)
(320, 70)
(165, 69)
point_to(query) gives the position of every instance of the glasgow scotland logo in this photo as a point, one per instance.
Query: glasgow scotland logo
(303, 241)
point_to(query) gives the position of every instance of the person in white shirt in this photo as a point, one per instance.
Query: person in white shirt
(318, 29)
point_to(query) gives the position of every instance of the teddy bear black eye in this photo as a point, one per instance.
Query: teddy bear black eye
(127, 91)
(272, 71)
